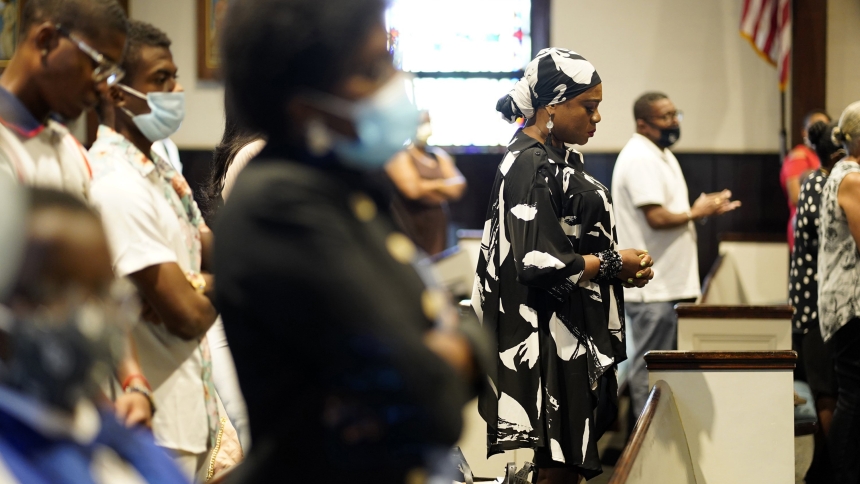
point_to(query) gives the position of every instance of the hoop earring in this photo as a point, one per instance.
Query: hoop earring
(549, 125)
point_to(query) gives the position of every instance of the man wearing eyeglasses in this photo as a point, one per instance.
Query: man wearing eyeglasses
(653, 211)
(68, 52)
(67, 55)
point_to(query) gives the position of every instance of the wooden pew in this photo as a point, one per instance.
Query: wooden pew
(733, 328)
(737, 412)
(454, 271)
(657, 450)
(752, 269)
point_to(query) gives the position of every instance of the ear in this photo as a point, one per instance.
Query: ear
(117, 96)
(641, 124)
(46, 38)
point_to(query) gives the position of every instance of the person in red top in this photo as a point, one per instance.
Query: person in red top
(799, 162)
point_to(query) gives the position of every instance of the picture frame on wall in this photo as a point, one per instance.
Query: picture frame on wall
(210, 15)
(10, 20)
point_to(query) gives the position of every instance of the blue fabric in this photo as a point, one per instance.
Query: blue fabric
(34, 458)
(16, 116)
(804, 413)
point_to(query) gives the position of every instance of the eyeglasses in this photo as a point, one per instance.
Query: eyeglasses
(105, 71)
(670, 116)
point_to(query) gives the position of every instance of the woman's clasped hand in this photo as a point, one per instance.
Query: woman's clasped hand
(635, 267)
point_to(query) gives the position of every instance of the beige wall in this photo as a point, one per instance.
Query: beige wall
(843, 54)
(204, 121)
(691, 50)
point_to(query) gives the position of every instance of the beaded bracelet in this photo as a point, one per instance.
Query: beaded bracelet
(610, 265)
(143, 391)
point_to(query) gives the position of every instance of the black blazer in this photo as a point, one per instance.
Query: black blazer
(325, 320)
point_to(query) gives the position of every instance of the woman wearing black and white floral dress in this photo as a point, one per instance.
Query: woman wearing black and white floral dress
(839, 294)
(549, 278)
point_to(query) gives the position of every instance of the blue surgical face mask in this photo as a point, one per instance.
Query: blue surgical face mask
(166, 112)
(384, 122)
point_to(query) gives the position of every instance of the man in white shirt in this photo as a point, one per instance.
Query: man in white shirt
(158, 239)
(67, 55)
(68, 52)
(653, 211)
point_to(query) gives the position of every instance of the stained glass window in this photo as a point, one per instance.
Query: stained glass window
(460, 35)
(462, 111)
(465, 55)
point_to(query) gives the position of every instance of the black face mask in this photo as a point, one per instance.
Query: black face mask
(669, 136)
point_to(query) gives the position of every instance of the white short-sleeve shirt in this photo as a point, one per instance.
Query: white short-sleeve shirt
(646, 175)
(48, 157)
(143, 230)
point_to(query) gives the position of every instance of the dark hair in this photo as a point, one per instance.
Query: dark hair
(642, 106)
(141, 34)
(820, 136)
(90, 17)
(236, 136)
(37, 256)
(272, 49)
(44, 198)
(812, 113)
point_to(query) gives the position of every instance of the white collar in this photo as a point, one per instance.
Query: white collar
(82, 426)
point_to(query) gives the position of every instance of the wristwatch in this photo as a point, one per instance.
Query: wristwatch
(197, 282)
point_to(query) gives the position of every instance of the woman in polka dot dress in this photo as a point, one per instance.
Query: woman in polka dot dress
(803, 277)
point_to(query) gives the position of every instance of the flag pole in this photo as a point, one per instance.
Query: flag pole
(783, 135)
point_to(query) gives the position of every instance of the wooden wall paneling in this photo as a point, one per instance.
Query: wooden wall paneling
(720, 360)
(540, 25)
(753, 179)
(808, 62)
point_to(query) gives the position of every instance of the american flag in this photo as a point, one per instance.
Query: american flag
(767, 25)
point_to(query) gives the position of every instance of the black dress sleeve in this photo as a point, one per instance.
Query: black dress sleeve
(543, 253)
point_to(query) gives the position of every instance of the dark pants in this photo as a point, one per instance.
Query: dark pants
(844, 438)
(653, 326)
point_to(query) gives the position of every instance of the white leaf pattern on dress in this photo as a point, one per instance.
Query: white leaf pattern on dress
(567, 346)
(539, 399)
(541, 260)
(566, 179)
(556, 452)
(512, 416)
(524, 212)
(529, 315)
(570, 227)
(504, 243)
(585, 439)
(614, 315)
(528, 350)
(508, 161)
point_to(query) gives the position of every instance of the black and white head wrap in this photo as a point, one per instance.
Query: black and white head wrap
(553, 77)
